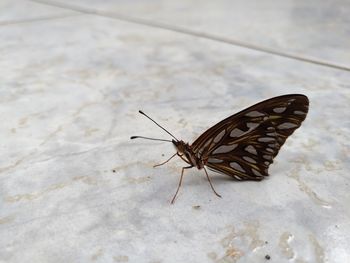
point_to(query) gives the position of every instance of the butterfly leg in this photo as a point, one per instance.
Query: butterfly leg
(165, 161)
(177, 190)
(211, 183)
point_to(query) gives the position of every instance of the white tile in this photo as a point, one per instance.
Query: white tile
(70, 92)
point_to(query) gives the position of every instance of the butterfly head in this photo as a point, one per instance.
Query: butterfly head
(186, 153)
(180, 146)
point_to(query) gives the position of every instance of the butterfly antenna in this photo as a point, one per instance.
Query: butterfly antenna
(157, 124)
(147, 138)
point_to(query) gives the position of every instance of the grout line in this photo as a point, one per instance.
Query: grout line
(37, 19)
(200, 34)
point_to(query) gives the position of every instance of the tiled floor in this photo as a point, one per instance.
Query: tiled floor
(74, 188)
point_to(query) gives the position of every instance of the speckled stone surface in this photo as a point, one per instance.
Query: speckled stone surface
(74, 188)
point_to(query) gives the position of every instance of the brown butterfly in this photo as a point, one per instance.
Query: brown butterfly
(243, 145)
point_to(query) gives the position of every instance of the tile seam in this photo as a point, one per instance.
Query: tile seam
(199, 34)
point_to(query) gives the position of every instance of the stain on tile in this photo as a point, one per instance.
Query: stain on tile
(124, 166)
(318, 249)
(90, 131)
(251, 231)
(83, 107)
(71, 120)
(228, 238)
(24, 120)
(307, 190)
(9, 167)
(51, 135)
(34, 195)
(7, 219)
(87, 179)
(310, 144)
(248, 236)
(138, 180)
(51, 188)
(96, 255)
(232, 254)
(304, 162)
(121, 258)
(334, 165)
(212, 255)
(284, 244)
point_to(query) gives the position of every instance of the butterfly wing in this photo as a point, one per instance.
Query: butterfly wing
(244, 144)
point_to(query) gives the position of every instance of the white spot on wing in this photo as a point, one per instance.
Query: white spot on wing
(248, 159)
(269, 150)
(267, 157)
(214, 160)
(257, 173)
(204, 146)
(219, 136)
(290, 101)
(287, 125)
(266, 139)
(252, 125)
(237, 167)
(279, 109)
(266, 163)
(251, 149)
(236, 132)
(254, 114)
(225, 148)
(298, 112)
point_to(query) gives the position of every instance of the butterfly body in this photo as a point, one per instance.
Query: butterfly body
(244, 145)
(185, 152)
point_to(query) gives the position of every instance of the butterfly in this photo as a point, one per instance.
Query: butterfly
(243, 145)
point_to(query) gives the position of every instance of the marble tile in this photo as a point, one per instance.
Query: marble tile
(74, 188)
(21, 11)
(318, 30)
